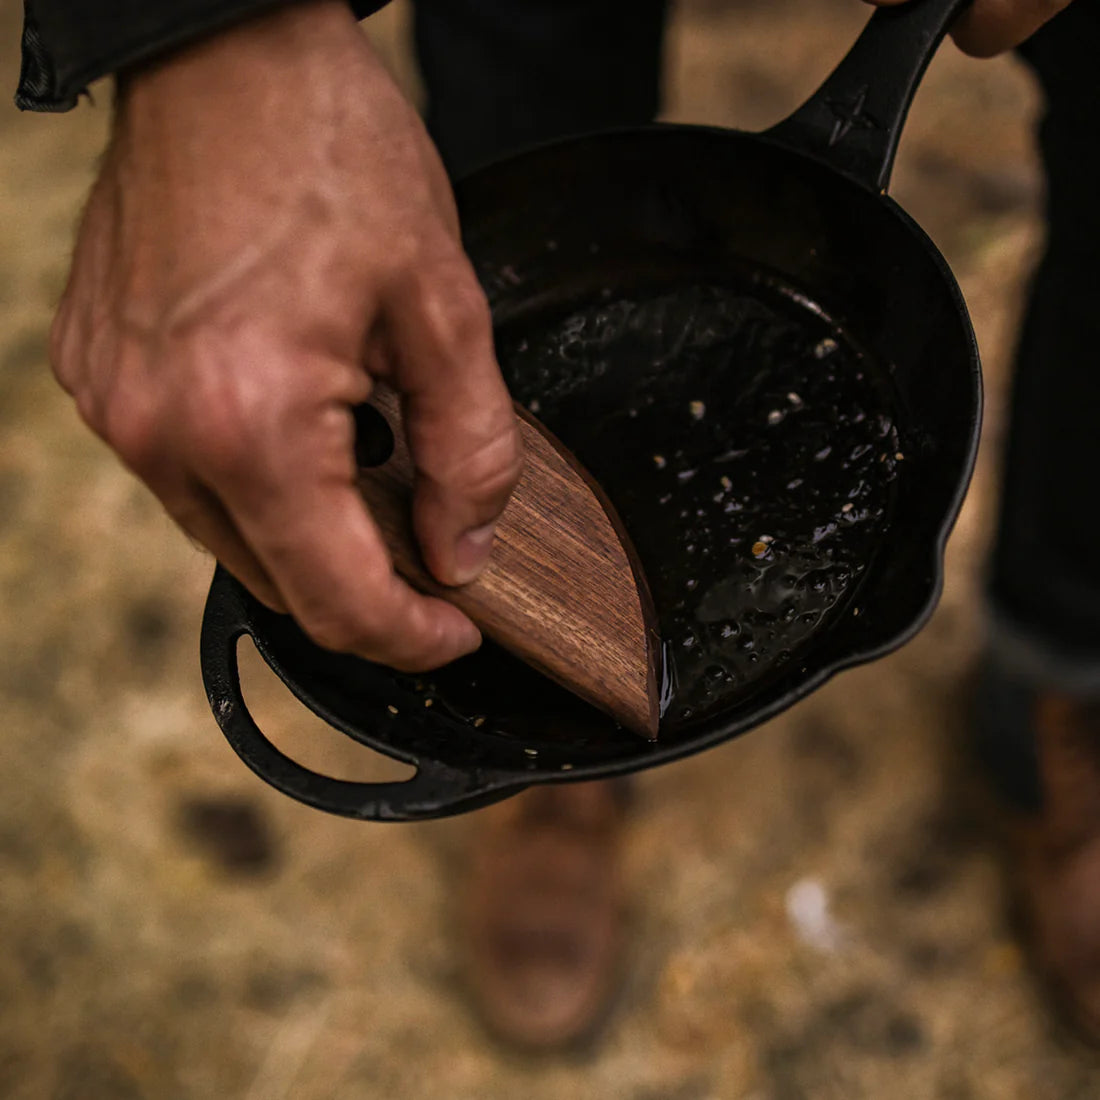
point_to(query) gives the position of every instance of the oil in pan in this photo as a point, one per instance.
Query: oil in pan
(751, 448)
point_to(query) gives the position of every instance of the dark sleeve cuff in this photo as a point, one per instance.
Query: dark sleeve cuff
(67, 44)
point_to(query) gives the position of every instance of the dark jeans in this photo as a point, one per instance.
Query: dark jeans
(1045, 580)
(504, 73)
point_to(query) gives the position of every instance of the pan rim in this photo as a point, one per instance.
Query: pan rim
(710, 732)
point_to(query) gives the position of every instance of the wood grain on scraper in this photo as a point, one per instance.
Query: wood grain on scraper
(563, 589)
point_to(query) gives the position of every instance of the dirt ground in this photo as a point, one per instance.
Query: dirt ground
(171, 928)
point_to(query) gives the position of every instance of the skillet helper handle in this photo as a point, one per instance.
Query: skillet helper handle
(434, 791)
(854, 120)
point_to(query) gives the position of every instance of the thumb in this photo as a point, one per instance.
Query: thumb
(462, 430)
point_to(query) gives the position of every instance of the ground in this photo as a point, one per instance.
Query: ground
(171, 928)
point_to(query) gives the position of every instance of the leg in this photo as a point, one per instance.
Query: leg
(1046, 569)
(501, 74)
(541, 912)
(1041, 735)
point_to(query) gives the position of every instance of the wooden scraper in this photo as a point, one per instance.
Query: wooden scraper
(563, 589)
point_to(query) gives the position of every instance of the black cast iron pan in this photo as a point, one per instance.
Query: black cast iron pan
(668, 205)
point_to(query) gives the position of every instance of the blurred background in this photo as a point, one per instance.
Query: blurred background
(817, 909)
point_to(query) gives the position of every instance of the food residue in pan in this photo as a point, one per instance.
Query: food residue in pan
(751, 449)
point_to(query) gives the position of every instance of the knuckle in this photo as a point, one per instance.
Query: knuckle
(133, 431)
(492, 470)
(69, 355)
(88, 408)
(58, 345)
(454, 304)
(221, 426)
(404, 256)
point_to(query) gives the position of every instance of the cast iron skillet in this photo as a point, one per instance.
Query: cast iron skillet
(805, 199)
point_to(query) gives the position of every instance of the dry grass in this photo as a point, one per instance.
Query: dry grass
(312, 959)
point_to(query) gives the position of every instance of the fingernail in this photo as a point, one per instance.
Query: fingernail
(472, 552)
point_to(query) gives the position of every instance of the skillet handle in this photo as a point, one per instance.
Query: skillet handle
(434, 791)
(854, 120)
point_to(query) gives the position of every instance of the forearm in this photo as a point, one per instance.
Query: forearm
(270, 231)
(68, 44)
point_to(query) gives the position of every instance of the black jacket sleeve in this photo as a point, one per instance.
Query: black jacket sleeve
(69, 43)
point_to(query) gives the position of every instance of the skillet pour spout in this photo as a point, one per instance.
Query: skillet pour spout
(782, 240)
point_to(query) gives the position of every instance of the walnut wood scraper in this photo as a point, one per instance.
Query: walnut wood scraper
(563, 589)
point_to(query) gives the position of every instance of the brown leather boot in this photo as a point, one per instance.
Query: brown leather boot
(542, 913)
(1056, 850)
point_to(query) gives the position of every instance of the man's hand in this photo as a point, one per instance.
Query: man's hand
(271, 228)
(990, 27)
